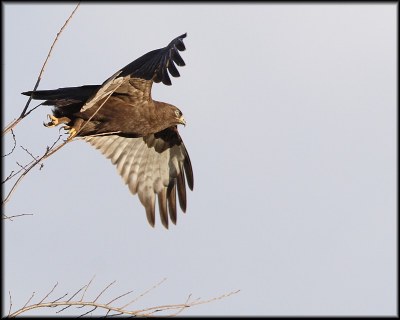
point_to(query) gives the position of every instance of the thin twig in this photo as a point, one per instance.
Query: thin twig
(68, 306)
(87, 287)
(9, 177)
(13, 174)
(82, 315)
(9, 310)
(104, 290)
(58, 299)
(33, 109)
(33, 293)
(49, 293)
(21, 166)
(16, 216)
(28, 152)
(23, 114)
(122, 295)
(112, 315)
(184, 306)
(71, 299)
(175, 306)
(15, 144)
(144, 293)
(76, 293)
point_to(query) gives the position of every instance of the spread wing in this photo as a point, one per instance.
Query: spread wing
(134, 81)
(152, 166)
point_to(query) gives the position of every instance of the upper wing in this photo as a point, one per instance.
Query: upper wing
(134, 81)
(155, 165)
(154, 64)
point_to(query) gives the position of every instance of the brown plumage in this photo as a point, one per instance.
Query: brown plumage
(137, 133)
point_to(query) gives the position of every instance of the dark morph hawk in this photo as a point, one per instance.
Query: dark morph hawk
(137, 133)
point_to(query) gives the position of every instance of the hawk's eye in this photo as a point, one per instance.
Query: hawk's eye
(177, 113)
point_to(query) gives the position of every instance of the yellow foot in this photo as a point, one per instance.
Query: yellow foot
(71, 130)
(54, 121)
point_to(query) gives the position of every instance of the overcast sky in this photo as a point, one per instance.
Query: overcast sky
(291, 129)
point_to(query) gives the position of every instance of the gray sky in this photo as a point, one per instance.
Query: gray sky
(291, 129)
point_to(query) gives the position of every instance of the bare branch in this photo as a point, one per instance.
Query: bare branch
(15, 144)
(13, 174)
(108, 307)
(24, 113)
(50, 150)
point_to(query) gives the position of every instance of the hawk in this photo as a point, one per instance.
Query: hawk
(138, 134)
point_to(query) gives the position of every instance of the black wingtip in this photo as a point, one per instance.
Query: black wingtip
(156, 64)
(179, 42)
(183, 35)
(27, 93)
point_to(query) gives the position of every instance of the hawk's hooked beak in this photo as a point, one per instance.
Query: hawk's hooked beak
(181, 120)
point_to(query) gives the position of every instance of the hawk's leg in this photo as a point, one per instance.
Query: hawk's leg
(74, 129)
(56, 121)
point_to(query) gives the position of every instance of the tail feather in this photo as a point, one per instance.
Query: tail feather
(76, 94)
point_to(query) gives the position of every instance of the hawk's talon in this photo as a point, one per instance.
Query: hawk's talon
(53, 121)
(71, 131)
